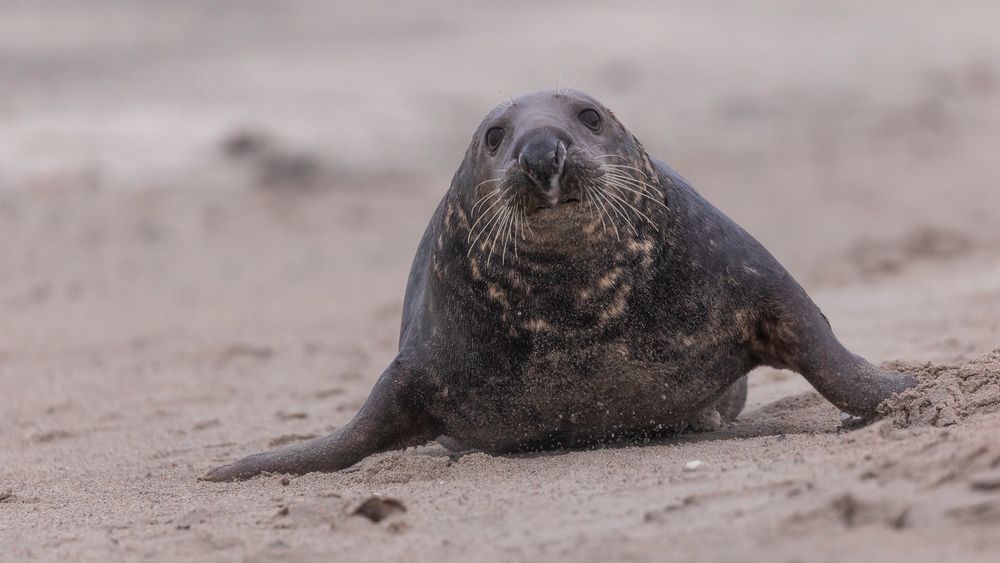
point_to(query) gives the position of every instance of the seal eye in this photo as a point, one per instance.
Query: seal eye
(493, 138)
(591, 119)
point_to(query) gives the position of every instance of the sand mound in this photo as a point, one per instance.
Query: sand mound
(945, 395)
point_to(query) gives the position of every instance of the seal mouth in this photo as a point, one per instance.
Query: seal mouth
(537, 206)
(605, 196)
(563, 187)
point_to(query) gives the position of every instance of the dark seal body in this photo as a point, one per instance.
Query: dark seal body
(623, 340)
(571, 290)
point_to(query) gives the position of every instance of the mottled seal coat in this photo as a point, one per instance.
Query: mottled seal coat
(572, 290)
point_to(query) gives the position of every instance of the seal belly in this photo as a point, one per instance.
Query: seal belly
(565, 398)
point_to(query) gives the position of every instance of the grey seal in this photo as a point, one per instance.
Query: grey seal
(571, 290)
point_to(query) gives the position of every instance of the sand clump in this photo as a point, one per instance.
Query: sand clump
(946, 394)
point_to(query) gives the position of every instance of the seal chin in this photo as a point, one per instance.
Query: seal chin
(554, 205)
(557, 224)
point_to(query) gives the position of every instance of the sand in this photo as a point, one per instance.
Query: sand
(946, 395)
(207, 216)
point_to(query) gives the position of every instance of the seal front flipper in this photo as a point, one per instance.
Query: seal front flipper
(392, 418)
(794, 334)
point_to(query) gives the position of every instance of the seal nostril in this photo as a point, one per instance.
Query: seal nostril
(560, 157)
(542, 156)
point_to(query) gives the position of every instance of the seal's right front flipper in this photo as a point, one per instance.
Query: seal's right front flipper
(392, 418)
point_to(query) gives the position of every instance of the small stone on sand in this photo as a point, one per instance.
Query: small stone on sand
(694, 465)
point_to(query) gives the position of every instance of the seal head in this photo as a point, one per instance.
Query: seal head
(547, 164)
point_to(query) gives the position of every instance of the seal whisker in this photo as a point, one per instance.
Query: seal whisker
(514, 224)
(589, 198)
(640, 171)
(592, 189)
(592, 205)
(610, 169)
(487, 210)
(524, 214)
(605, 216)
(490, 195)
(520, 208)
(637, 192)
(513, 238)
(510, 233)
(484, 182)
(486, 198)
(634, 182)
(495, 190)
(641, 193)
(498, 228)
(624, 176)
(493, 219)
(616, 205)
(492, 232)
(577, 77)
(621, 169)
(497, 179)
(640, 183)
(501, 227)
(605, 204)
(620, 197)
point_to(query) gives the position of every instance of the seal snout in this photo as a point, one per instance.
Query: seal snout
(543, 158)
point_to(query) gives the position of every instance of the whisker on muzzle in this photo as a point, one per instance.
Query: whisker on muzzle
(613, 190)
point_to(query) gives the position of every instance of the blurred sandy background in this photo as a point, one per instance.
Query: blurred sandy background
(208, 210)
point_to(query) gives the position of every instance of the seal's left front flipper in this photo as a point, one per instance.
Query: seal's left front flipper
(391, 418)
(794, 334)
